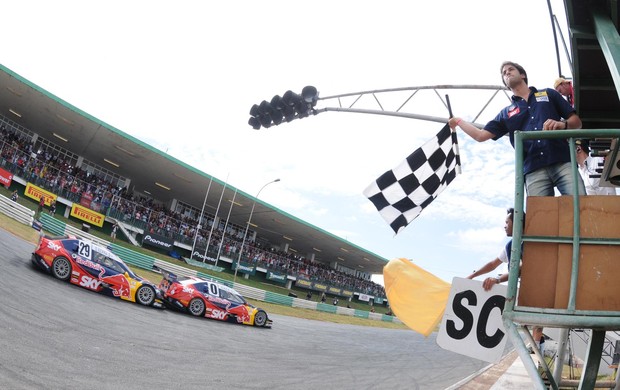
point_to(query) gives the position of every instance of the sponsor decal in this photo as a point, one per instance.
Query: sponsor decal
(320, 286)
(217, 314)
(541, 96)
(90, 283)
(53, 246)
(88, 215)
(157, 241)
(513, 110)
(242, 314)
(89, 264)
(37, 193)
(217, 300)
(6, 177)
(188, 290)
(347, 293)
(119, 284)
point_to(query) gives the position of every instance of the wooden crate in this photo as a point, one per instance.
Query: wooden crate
(546, 267)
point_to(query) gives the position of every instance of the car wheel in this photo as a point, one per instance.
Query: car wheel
(196, 307)
(260, 318)
(145, 295)
(61, 268)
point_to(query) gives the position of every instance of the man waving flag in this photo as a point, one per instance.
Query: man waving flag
(401, 194)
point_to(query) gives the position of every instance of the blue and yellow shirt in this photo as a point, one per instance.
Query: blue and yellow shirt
(530, 115)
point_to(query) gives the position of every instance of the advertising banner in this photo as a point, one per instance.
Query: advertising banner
(36, 193)
(87, 215)
(244, 268)
(157, 241)
(6, 178)
(303, 283)
(276, 277)
(334, 290)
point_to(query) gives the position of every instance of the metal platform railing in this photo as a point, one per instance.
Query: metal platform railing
(570, 316)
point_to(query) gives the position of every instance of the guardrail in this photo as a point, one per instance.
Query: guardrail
(21, 214)
(150, 263)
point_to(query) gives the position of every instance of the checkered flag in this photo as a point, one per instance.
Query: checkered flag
(401, 194)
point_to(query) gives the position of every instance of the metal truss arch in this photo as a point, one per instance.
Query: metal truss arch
(375, 101)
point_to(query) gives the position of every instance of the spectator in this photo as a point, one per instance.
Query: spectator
(565, 88)
(53, 207)
(41, 204)
(113, 233)
(14, 196)
(588, 166)
(503, 257)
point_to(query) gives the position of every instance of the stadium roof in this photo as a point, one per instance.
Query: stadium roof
(66, 125)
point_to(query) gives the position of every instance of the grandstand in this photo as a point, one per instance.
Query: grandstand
(50, 145)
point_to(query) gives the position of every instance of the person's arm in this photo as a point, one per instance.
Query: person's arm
(573, 122)
(490, 282)
(477, 134)
(488, 267)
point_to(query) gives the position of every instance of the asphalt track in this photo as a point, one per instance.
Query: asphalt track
(58, 336)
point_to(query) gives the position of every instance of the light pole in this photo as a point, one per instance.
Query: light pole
(247, 227)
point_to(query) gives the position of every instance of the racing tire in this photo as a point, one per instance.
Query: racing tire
(260, 318)
(61, 268)
(196, 307)
(145, 295)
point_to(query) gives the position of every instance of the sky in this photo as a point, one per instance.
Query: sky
(183, 75)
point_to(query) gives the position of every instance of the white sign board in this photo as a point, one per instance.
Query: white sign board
(472, 322)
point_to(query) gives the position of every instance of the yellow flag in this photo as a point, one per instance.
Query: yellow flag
(417, 297)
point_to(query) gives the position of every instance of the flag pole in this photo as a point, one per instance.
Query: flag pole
(455, 139)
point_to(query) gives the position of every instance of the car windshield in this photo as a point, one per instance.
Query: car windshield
(108, 261)
(231, 296)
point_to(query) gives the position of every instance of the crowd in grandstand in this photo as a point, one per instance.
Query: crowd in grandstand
(60, 175)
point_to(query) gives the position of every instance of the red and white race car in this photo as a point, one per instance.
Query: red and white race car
(210, 299)
(94, 267)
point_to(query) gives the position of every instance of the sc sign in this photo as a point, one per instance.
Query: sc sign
(472, 322)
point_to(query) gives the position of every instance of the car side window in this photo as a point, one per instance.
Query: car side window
(98, 258)
(106, 261)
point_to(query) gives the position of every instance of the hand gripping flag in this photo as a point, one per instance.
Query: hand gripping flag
(401, 194)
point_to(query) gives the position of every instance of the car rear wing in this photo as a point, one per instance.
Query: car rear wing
(168, 275)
